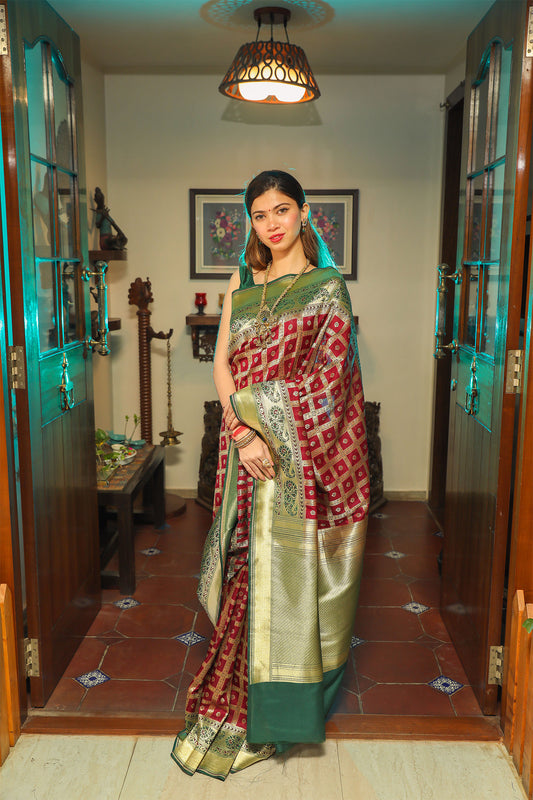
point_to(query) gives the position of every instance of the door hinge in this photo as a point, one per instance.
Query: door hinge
(529, 42)
(31, 655)
(496, 664)
(3, 32)
(17, 368)
(513, 376)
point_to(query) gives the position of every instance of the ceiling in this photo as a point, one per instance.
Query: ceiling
(340, 37)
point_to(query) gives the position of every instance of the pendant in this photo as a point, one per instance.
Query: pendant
(262, 326)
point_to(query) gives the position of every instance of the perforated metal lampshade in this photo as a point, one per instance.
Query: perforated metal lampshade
(269, 71)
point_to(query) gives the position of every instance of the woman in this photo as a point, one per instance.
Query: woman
(281, 567)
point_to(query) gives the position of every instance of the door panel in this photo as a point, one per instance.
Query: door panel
(490, 257)
(58, 481)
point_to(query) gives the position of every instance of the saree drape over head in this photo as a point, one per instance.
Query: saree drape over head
(281, 567)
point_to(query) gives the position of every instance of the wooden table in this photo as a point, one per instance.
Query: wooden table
(146, 473)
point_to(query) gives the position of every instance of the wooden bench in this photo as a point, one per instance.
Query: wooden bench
(147, 474)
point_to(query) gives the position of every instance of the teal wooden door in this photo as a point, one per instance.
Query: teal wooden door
(490, 264)
(55, 417)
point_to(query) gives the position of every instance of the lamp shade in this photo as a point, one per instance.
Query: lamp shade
(270, 72)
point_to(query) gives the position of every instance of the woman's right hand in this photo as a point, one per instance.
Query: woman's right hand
(252, 457)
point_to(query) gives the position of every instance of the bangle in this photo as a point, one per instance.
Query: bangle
(246, 440)
(238, 431)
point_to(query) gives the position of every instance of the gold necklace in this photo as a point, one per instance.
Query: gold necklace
(263, 320)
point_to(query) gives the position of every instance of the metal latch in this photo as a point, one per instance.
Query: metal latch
(17, 368)
(496, 664)
(513, 375)
(31, 658)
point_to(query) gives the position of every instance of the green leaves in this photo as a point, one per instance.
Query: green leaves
(528, 624)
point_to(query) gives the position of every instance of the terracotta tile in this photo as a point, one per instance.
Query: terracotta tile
(175, 680)
(110, 595)
(433, 625)
(147, 537)
(181, 699)
(179, 541)
(377, 566)
(349, 680)
(383, 592)
(465, 703)
(181, 591)
(411, 509)
(345, 703)
(422, 567)
(429, 641)
(377, 545)
(105, 621)
(203, 624)
(67, 695)
(195, 656)
(87, 657)
(415, 526)
(171, 563)
(157, 621)
(426, 592)
(148, 659)
(424, 545)
(396, 662)
(364, 683)
(120, 695)
(450, 664)
(386, 624)
(417, 699)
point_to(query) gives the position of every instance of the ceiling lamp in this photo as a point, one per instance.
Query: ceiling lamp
(269, 71)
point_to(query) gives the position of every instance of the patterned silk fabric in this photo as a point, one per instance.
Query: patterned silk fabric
(299, 537)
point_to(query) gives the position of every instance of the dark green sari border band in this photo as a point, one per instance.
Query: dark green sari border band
(289, 713)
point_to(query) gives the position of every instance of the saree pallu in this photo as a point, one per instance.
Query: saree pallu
(296, 541)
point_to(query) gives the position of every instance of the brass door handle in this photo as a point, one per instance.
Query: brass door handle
(440, 321)
(66, 388)
(99, 275)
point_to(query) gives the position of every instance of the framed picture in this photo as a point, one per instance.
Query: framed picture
(335, 214)
(218, 227)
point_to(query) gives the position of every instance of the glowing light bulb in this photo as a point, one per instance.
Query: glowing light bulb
(260, 90)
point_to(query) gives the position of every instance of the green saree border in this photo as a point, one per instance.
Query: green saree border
(271, 710)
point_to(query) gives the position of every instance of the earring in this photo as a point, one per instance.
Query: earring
(304, 225)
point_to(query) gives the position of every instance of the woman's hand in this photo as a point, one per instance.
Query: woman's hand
(255, 457)
(230, 418)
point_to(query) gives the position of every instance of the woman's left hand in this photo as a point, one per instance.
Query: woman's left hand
(230, 418)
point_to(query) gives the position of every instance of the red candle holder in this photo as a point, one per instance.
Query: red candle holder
(200, 301)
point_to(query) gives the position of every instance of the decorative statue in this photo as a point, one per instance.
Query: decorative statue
(105, 224)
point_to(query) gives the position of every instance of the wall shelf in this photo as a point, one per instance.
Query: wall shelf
(204, 330)
(108, 255)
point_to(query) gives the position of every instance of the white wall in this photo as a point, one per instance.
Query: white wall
(382, 135)
(93, 84)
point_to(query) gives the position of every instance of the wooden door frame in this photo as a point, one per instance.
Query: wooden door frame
(17, 404)
(451, 175)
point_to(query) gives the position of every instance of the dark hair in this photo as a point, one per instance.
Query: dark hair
(256, 254)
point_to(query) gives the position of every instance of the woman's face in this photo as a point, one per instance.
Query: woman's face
(277, 220)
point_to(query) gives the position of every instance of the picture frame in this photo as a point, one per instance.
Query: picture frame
(218, 228)
(215, 254)
(335, 214)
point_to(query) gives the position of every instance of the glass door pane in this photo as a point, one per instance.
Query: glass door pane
(36, 89)
(46, 305)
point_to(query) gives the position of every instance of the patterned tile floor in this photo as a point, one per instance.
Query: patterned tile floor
(141, 652)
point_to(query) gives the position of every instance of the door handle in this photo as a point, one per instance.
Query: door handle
(471, 392)
(440, 320)
(66, 388)
(100, 344)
